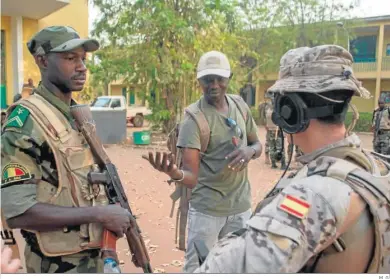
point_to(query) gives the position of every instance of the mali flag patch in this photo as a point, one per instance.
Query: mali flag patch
(295, 206)
(14, 172)
(18, 117)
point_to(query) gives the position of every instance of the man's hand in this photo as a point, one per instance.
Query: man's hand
(116, 219)
(240, 158)
(8, 265)
(166, 165)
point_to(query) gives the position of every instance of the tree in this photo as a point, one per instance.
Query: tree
(156, 44)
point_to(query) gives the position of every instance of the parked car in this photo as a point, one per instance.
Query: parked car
(134, 114)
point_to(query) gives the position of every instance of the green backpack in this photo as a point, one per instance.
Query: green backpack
(182, 193)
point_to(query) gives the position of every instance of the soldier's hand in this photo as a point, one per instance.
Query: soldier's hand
(239, 158)
(164, 163)
(9, 265)
(116, 219)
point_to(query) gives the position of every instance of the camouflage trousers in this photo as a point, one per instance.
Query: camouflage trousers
(290, 149)
(274, 146)
(382, 143)
(83, 262)
(269, 141)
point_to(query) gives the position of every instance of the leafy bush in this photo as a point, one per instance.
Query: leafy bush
(363, 124)
(159, 115)
(255, 115)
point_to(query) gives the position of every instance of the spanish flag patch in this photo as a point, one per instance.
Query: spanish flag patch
(295, 206)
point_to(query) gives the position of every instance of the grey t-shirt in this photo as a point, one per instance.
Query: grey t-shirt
(219, 190)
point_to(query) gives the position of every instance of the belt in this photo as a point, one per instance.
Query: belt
(381, 132)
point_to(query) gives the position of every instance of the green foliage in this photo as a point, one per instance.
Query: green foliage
(255, 115)
(363, 124)
(154, 45)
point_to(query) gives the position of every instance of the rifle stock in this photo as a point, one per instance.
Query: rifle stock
(114, 188)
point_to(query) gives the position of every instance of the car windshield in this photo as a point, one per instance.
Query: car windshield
(101, 103)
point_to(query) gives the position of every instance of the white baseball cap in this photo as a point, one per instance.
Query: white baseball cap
(213, 63)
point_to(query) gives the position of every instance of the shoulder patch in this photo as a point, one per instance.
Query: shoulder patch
(295, 206)
(18, 117)
(14, 172)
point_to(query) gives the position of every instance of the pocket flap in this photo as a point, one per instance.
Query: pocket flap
(267, 224)
(78, 157)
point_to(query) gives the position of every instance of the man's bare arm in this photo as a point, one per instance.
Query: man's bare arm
(48, 217)
(188, 175)
(255, 143)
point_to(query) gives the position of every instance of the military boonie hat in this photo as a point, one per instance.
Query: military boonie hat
(213, 63)
(59, 39)
(317, 70)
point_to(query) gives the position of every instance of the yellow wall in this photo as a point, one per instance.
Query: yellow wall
(385, 85)
(30, 27)
(6, 26)
(364, 105)
(116, 90)
(74, 15)
(260, 90)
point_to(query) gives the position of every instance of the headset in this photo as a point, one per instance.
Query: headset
(292, 115)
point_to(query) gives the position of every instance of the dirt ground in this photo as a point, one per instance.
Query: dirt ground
(148, 192)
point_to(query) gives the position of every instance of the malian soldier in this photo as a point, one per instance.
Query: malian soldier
(332, 216)
(46, 161)
(381, 127)
(274, 144)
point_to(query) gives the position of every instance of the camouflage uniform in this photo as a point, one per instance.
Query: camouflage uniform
(381, 124)
(297, 228)
(274, 141)
(27, 159)
(298, 153)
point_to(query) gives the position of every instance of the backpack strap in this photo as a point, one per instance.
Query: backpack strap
(374, 189)
(195, 112)
(241, 105)
(56, 125)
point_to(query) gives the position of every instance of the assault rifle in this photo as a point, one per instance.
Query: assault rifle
(114, 189)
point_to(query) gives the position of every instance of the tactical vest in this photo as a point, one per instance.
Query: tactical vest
(369, 177)
(74, 161)
(384, 121)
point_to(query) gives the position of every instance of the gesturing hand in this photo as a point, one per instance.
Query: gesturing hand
(166, 164)
(9, 265)
(240, 158)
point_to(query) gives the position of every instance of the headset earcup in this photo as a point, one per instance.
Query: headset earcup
(297, 120)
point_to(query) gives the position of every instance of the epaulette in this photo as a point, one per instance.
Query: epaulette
(17, 118)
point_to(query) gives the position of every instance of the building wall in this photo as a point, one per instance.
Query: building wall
(6, 26)
(260, 90)
(364, 105)
(386, 41)
(385, 85)
(75, 14)
(116, 90)
(30, 27)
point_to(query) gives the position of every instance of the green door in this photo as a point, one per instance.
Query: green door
(132, 98)
(3, 89)
(124, 93)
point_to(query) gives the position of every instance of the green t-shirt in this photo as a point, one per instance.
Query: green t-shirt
(219, 190)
